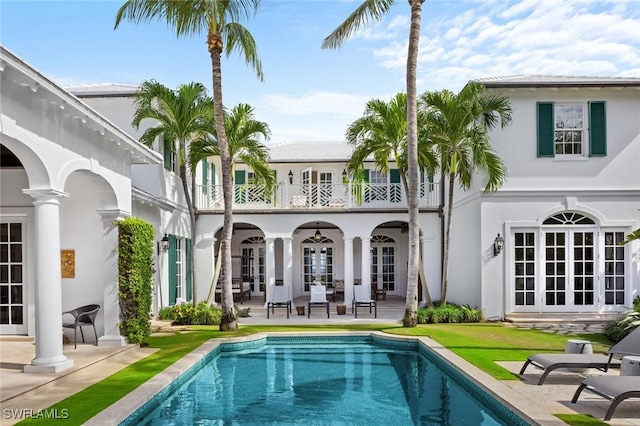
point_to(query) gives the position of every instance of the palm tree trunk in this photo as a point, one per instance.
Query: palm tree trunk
(447, 239)
(229, 322)
(421, 275)
(411, 311)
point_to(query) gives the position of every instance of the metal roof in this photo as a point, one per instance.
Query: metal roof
(329, 151)
(524, 80)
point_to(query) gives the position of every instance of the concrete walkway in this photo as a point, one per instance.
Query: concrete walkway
(22, 393)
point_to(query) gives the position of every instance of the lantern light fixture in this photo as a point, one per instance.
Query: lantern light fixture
(498, 245)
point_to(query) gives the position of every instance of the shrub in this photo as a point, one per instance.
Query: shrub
(449, 313)
(617, 329)
(166, 313)
(187, 314)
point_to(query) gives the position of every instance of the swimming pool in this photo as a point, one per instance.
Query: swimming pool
(323, 380)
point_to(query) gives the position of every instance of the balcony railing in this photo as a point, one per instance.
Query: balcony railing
(317, 196)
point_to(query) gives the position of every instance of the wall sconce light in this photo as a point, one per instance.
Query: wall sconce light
(290, 177)
(498, 245)
(164, 244)
(317, 237)
(344, 175)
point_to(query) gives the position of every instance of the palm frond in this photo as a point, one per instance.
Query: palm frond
(369, 10)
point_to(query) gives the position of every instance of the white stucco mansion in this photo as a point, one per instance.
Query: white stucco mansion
(71, 166)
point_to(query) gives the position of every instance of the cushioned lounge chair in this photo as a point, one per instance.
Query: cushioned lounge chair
(279, 299)
(630, 345)
(614, 388)
(362, 297)
(318, 298)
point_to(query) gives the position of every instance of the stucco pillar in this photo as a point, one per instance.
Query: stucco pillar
(110, 302)
(270, 267)
(348, 269)
(48, 283)
(206, 261)
(424, 253)
(366, 261)
(287, 265)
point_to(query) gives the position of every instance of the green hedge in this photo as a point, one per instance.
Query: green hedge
(135, 275)
(449, 313)
(187, 314)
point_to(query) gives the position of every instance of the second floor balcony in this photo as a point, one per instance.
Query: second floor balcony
(342, 196)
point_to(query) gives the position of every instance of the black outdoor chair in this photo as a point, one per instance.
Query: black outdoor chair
(84, 315)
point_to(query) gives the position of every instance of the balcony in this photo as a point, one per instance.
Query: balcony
(346, 196)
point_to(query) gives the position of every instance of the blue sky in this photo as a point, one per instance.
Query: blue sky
(314, 94)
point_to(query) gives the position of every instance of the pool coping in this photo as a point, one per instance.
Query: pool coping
(526, 408)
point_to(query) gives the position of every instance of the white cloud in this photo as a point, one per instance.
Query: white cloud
(315, 102)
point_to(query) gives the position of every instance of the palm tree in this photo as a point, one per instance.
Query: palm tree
(635, 235)
(459, 125)
(244, 133)
(382, 133)
(218, 20)
(375, 10)
(182, 116)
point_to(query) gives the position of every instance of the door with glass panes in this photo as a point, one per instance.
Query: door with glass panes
(13, 309)
(253, 263)
(317, 262)
(383, 263)
(568, 269)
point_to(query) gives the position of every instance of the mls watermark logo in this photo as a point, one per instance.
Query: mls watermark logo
(29, 413)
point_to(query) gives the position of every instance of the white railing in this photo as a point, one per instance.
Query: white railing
(317, 196)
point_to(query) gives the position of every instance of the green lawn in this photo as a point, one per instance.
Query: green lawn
(480, 344)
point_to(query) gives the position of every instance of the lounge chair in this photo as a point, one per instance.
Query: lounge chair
(630, 345)
(362, 297)
(318, 298)
(279, 299)
(614, 388)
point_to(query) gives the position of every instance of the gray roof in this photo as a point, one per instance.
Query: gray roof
(309, 152)
(522, 80)
(101, 89)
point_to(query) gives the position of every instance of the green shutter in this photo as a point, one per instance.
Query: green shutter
(187, 259)
(240, 195)
(546, 129)
(597, 129)
(205, 177)
(173, 279)
(395, 190)
(166, 146)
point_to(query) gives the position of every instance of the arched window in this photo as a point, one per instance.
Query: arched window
(568, 218)
(382, 239)
(323, 240)
(253, 240)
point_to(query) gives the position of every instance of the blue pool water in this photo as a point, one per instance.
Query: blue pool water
(330, 381)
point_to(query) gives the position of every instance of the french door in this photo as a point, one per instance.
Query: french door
(317, 264)
(13, 309)
(570, 270)
(253, 263)
(317, 187)
(383, 266)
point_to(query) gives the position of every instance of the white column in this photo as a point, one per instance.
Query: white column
(270, 266)
(206, 261)
(287, 264)
(366, 261)
(424, 241)
(110, 301)
(348, 270)
(48, 284)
